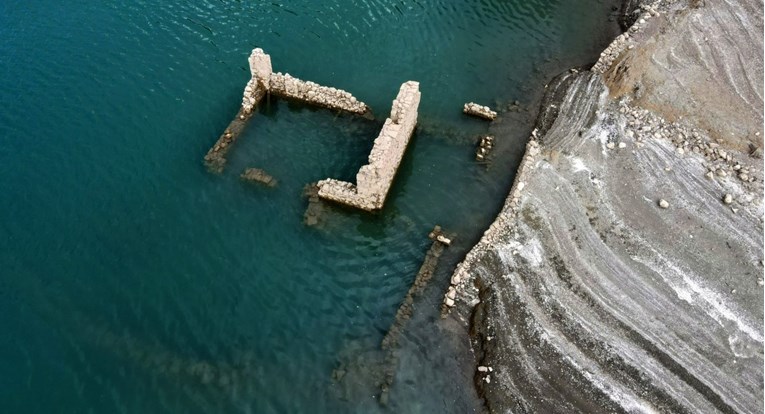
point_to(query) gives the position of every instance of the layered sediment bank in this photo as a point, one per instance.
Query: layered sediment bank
(374, 180)
(590, 294)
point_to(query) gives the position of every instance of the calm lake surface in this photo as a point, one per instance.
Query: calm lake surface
(134, 281)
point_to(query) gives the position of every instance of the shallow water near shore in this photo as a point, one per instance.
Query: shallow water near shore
(135, 281)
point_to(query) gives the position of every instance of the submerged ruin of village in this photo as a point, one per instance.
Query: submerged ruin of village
(624, 272)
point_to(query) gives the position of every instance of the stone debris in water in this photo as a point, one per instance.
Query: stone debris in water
(257, 175)
(479, 111)
(485, 146)
(264, 81)
(315, 210)
(374, 180)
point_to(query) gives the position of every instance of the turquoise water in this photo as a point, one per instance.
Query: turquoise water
(132, 280)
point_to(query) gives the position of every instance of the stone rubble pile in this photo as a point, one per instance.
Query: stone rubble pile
(643, 125)
(484, 147)
(374, 180)
(480, 111)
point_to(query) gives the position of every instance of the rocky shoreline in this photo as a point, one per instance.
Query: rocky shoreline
(624, 273)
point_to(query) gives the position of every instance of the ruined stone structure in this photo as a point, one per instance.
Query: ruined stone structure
(480, 111)
(265, 81)
(260, 70)
(286, 86)
(375, 179)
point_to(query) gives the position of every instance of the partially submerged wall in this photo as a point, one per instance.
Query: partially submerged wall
(289, 87)
(262, 81)
(374, 180)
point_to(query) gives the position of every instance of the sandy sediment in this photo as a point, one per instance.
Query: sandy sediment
(589, 294)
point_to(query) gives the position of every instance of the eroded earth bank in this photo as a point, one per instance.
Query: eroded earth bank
(624, 273)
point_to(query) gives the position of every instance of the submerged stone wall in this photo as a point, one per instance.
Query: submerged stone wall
(374, 180)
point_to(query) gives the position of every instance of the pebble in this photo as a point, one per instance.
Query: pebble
(610, 145)
(622, 145)
(743, 177)
(727, 199)
(483, 369)
(663, 203)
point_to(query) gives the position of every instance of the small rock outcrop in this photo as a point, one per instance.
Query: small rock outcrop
(374, 180)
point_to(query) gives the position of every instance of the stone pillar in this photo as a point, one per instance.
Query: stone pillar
(260, 67)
